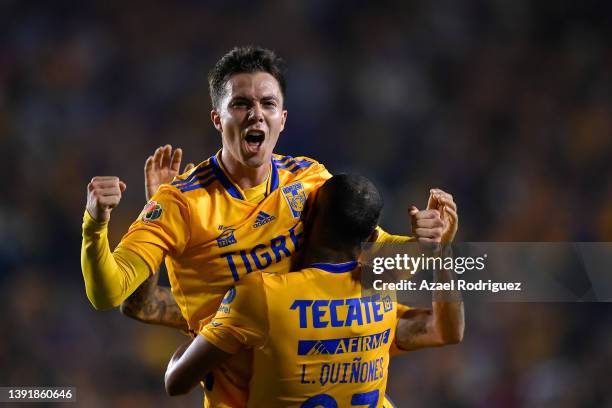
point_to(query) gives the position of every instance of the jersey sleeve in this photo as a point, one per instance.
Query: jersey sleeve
(242, 318)
(313, 173)
(386, 238)
(109, 277)
(163, 227)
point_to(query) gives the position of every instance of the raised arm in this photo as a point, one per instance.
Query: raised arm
(441, 325)
(110, 277)
(151, 303)
(444, 323)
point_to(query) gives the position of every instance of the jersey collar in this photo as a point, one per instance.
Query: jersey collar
(336, 268)
(231, 187)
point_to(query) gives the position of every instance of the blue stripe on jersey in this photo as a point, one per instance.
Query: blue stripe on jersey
(293, 165)
(303, 164)
(192, 176)
(231, 189)
(283, 160)
(335, 268)
(202, 182)
(273, 178)
(198, 180)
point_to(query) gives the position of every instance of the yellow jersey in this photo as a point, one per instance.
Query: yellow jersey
(317, 340)
(213, 237)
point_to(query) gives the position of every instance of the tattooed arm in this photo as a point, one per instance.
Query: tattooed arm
(151, 303)
(444, 323)
(441, 325)
(421, 328)
(154, 304)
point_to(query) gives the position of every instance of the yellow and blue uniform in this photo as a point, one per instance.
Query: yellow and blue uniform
(214, 237)
(317, 340)
(214, 234)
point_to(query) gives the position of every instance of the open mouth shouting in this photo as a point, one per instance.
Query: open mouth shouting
(254, 139)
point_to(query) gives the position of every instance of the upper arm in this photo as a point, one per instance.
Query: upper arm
(161, 228)
(415, 330)
(241, 320)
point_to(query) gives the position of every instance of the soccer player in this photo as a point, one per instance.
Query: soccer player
(236, 213)
(317, 340)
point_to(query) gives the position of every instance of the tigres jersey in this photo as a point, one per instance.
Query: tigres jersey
(317, 340)
(214, 236)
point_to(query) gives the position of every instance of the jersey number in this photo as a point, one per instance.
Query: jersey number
(327, 401)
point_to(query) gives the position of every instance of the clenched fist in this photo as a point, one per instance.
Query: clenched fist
(439, 222)
(103, 194)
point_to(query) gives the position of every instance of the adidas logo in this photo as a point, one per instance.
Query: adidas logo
(263, 219)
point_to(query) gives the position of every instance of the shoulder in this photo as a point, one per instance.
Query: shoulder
(197, 180)
(250, 285)
(297, 165)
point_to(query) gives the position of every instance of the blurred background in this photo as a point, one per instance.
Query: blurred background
(506, 104)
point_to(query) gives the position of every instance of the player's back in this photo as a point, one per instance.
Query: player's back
(327, 345)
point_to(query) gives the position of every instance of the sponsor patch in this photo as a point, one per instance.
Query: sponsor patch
(343, 345)
(152, 211)
(226, 238)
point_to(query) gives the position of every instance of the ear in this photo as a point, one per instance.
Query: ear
(216, 120)
(373, 236)
(283, 120)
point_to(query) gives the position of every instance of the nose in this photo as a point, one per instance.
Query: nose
(256, 113)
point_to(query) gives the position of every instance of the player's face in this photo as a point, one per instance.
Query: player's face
(250, 118)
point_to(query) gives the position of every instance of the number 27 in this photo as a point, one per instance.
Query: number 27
(327, 401)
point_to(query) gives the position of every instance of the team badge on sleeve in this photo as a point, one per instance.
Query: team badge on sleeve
(151, 211)
(296, 198)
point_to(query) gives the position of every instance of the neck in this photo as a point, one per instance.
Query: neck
(329, 255)
(246, 177)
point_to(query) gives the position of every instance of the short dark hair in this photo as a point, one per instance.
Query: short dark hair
(248, 60)
(350, 207)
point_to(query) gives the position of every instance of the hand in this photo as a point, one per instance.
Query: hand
(103, 194)
(427, 225)
(443, 202)
(162, 168)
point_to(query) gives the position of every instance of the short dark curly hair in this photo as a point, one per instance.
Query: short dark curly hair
(246, 59)
(349, 207)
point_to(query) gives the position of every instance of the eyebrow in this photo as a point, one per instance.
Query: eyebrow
(245, 98)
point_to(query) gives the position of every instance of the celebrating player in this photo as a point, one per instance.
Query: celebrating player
(235, 213)
(317, 340)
